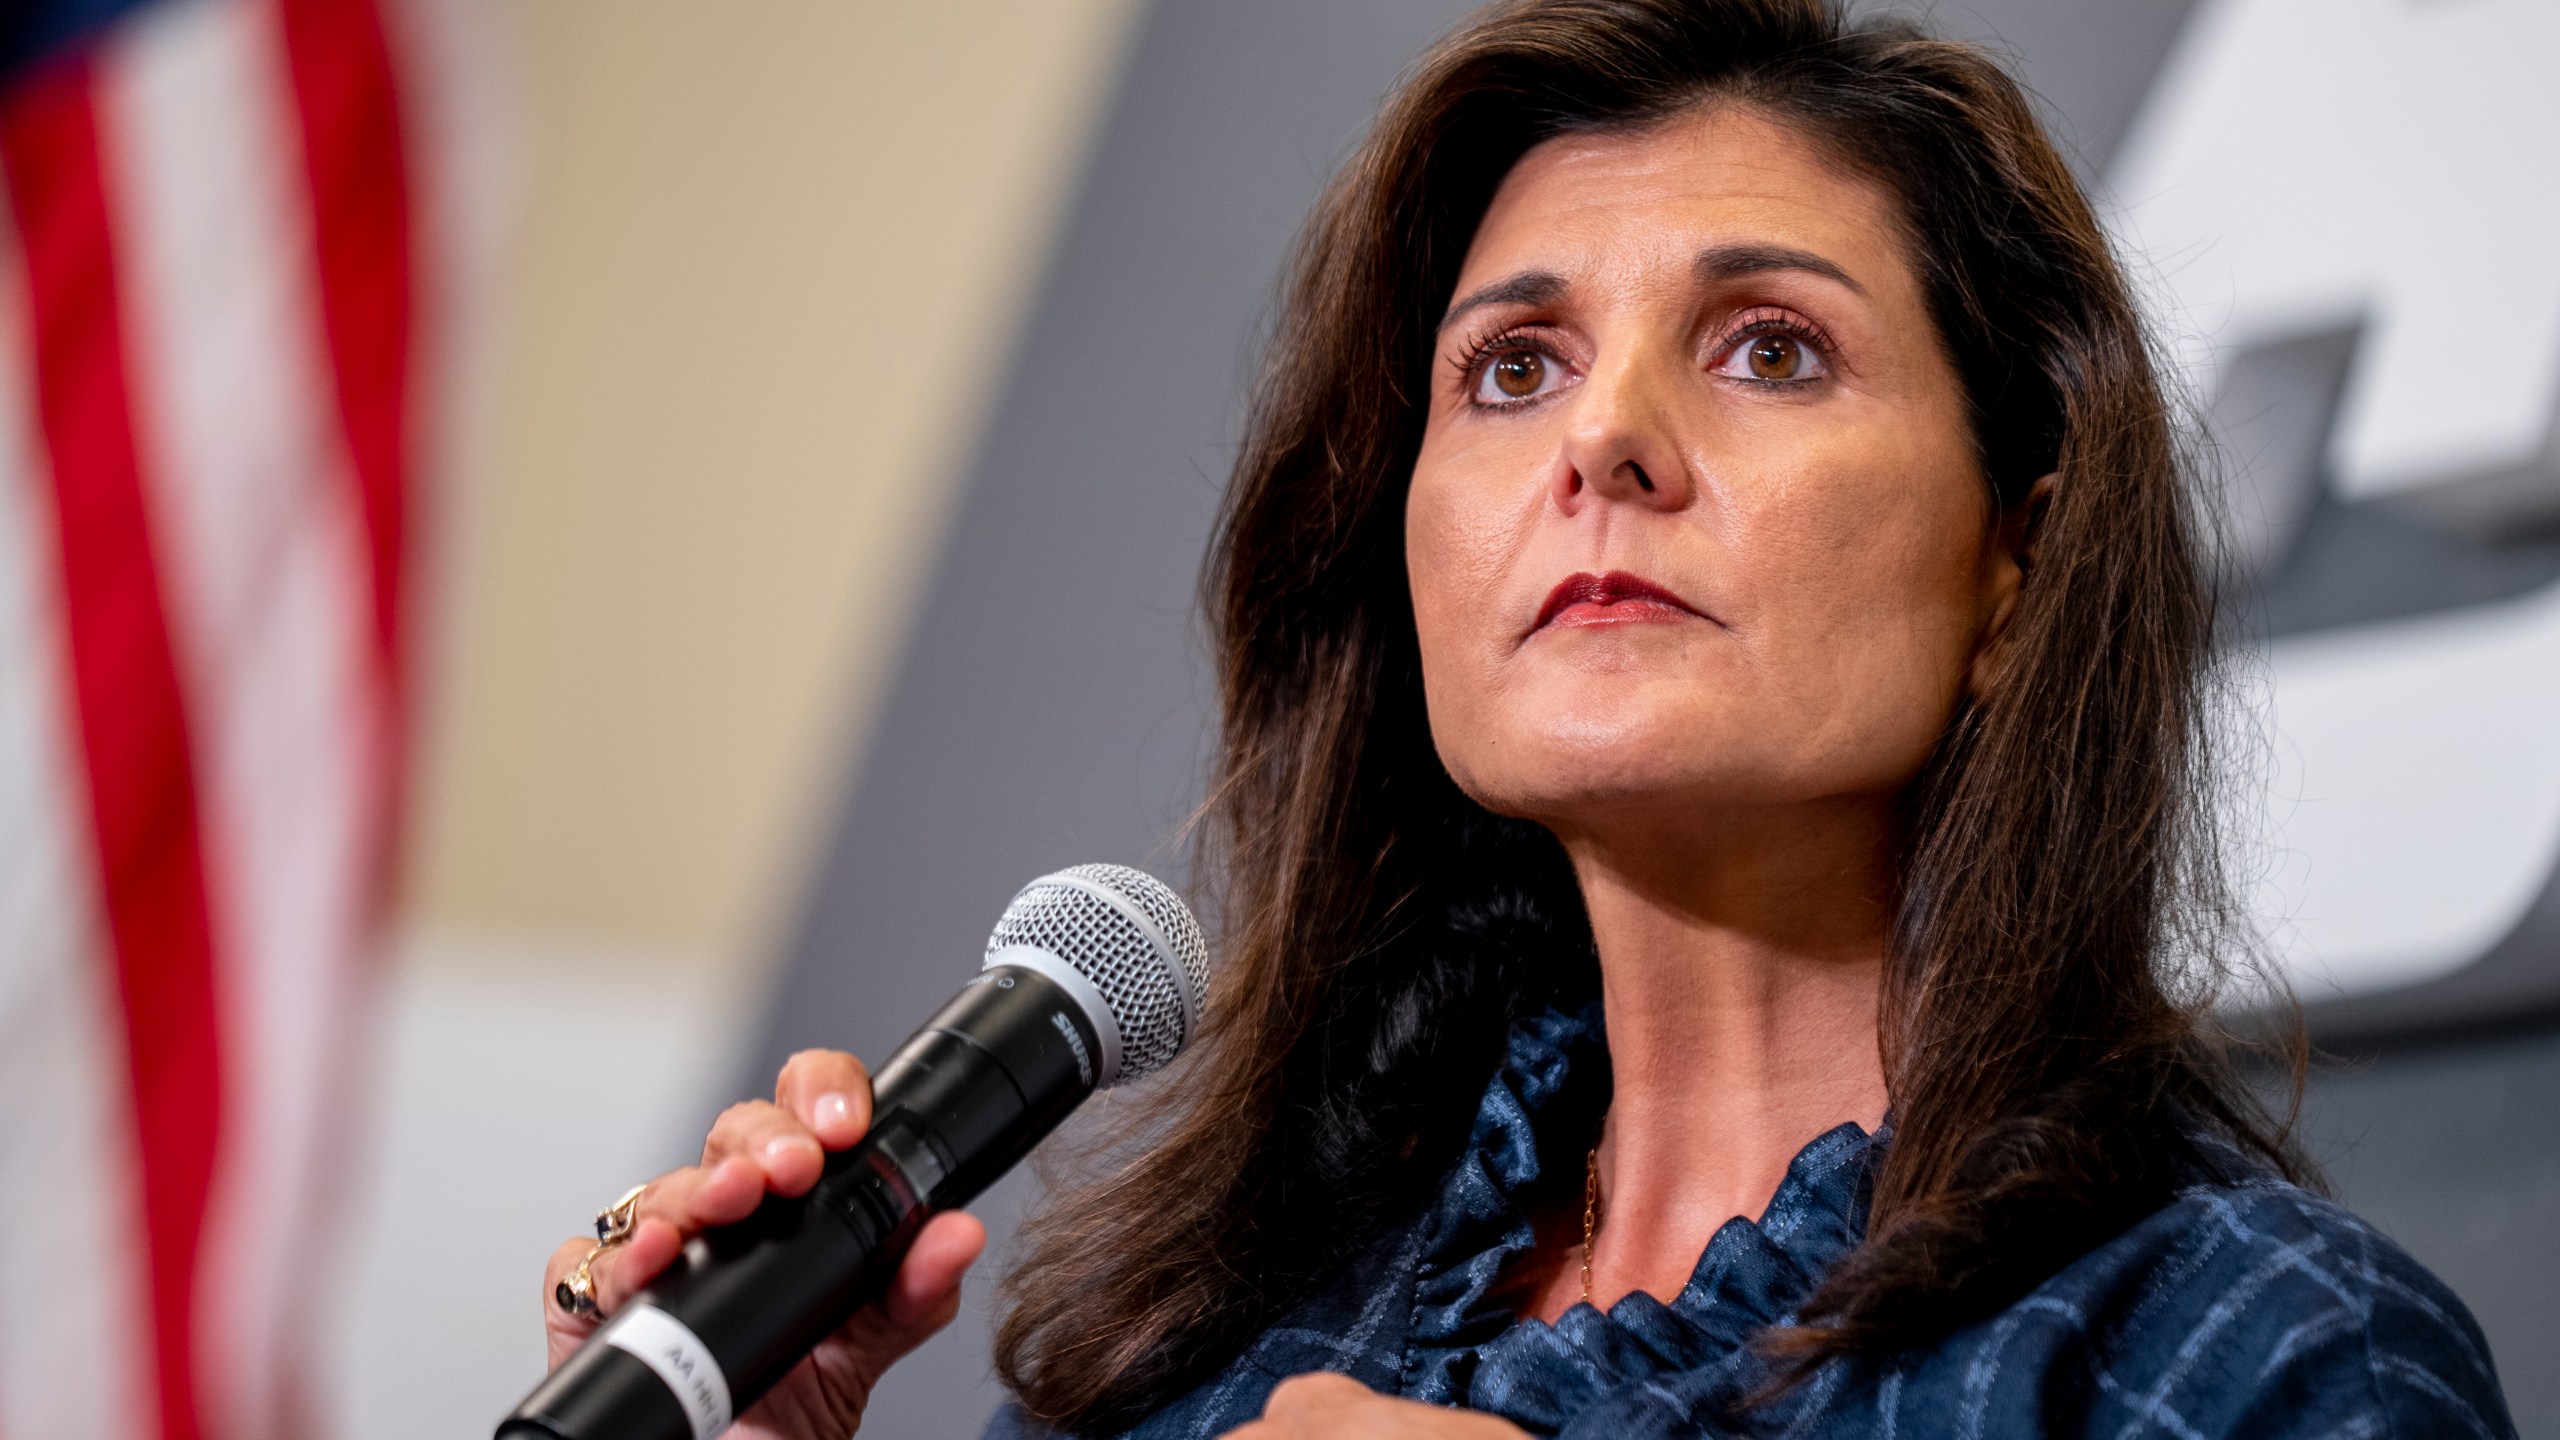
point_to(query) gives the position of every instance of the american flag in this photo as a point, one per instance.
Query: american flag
(216, 283)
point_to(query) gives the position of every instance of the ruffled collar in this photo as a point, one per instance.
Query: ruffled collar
(1541, 1111)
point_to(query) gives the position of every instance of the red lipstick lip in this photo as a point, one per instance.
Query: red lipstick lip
(1605, 593)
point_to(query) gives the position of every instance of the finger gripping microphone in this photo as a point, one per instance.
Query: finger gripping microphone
(1094, 976)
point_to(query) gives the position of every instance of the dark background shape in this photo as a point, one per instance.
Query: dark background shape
(1051, 703)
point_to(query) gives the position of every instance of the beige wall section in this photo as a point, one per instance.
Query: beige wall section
(769, 262)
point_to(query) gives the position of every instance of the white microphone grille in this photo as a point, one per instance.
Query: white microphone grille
(1134, 939)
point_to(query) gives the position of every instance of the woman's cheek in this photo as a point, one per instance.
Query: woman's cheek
(1452, 563)
(1427, 572)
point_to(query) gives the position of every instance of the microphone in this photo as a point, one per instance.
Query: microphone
(1094, 977)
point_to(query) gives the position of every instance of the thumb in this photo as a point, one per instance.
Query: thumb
(830, 1388)
(924, 1295)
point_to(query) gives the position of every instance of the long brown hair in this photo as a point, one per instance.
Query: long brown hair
(2063, 929)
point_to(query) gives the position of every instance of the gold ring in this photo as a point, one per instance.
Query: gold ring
(614, 1224)
(577, 1294)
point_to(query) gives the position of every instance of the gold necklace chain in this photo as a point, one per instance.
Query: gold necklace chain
(1590, 1216)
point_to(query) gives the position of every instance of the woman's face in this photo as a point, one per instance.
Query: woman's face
(1697, 522)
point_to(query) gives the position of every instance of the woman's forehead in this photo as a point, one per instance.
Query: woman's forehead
(1620, 205)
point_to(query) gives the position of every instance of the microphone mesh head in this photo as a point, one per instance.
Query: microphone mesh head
(1130, 935)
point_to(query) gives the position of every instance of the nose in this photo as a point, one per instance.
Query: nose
(1618, 442)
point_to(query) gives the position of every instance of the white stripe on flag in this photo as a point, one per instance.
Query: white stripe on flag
(75, 1343)
(266, 583)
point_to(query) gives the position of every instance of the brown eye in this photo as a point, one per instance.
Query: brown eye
(1511, 372)
(1773, 356)
(1776, 357)
(1520, 373)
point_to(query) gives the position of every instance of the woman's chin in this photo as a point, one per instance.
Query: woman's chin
(1569, 787)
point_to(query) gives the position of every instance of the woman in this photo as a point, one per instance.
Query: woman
(1711, 826)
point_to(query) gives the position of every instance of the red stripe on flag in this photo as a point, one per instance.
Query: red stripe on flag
(124, 674)
(344, 89)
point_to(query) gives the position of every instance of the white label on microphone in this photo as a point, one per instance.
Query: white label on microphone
(664, 1344)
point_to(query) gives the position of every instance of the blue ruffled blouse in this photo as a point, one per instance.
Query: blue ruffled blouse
(2249, 1309)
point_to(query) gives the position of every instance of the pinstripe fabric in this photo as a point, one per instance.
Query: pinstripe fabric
(2244, 1308)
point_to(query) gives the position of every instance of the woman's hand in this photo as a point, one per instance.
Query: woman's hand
(1337, 1407)
(821, 1103)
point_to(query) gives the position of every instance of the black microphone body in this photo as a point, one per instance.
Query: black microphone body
(985, 1080)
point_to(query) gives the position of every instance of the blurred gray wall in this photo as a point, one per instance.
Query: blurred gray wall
(1051, 704)
(1050, 707)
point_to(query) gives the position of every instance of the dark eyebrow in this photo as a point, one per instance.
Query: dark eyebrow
(1731, 262)
(1723, 262)
(1529, 287)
